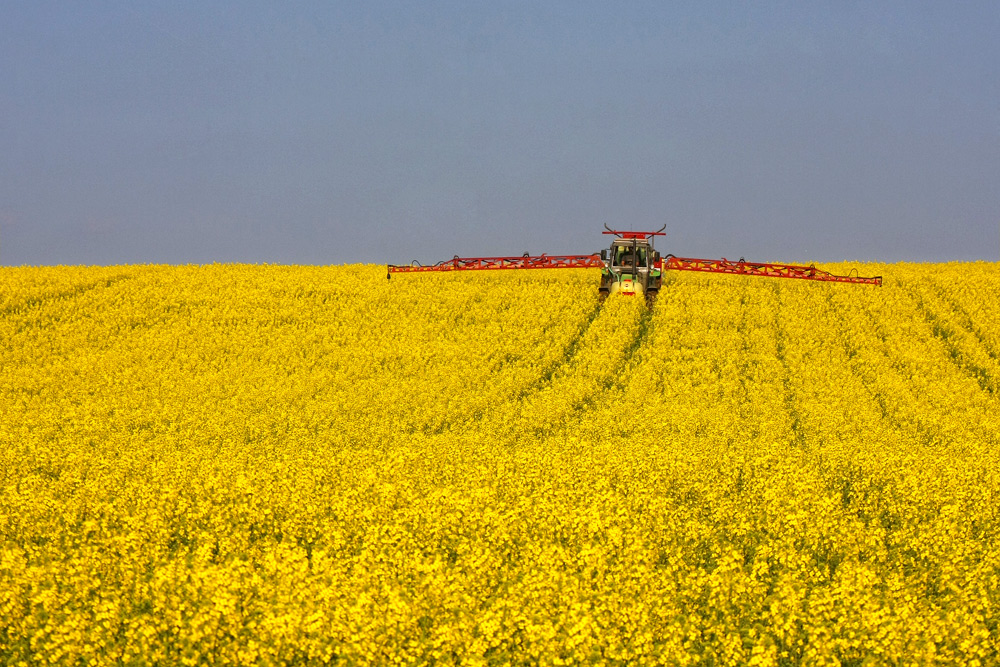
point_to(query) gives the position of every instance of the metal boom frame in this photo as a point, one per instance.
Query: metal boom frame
(497, 263)
(667, 263)
(744, 268)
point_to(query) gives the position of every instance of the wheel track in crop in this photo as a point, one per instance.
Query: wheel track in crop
(789, 397)
(70, 293)
(619, 380)
(947, 332)
(967, 322)
(572, 374)
(854, 350)
(569, 353)
(643, 335)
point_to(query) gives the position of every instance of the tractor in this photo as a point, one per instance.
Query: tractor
(632, 266)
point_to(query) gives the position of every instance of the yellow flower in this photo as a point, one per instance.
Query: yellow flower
(264, 464)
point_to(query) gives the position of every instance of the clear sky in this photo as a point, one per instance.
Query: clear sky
(335, 132)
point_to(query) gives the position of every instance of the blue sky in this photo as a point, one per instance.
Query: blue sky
(327, 133)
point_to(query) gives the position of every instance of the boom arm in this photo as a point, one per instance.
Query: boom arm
(493, 263)
(743, 268)
(667, 263)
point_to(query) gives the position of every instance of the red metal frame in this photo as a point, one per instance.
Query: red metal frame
(668, 263)
(496, 263)
(743, 268)
(633, 235)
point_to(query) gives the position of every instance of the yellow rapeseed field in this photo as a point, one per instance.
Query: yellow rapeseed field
(308, 465)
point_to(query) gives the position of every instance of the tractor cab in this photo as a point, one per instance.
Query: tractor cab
(626, 255)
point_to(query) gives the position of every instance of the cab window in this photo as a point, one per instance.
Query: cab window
(623, 256)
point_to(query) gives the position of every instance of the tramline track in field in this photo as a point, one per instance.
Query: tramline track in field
(584, 379)
(966, 348)
(566, 360)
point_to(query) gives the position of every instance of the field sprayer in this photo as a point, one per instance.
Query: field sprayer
(631, 265)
